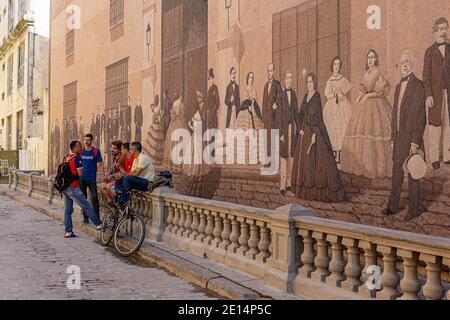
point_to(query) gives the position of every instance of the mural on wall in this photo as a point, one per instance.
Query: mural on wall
(333, 127)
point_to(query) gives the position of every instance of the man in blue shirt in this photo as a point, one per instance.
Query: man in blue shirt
(92, 162)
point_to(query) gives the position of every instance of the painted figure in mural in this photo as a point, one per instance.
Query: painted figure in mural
(194, 171)
(81, 132)
(109, 134)
(128, 117)
(271, 98)
(177, 121)
(315, 175)
(97, 128)
(103, 127)
(288, 131)
(366, 148)
(436, 78)
(166, 108)
(138, 122)
(249, 115)
(92, 128)
(115, 125)
(156, 136)
(74, 133)
(212, 121)
(338, 110)
(408, 128)
(232, 99)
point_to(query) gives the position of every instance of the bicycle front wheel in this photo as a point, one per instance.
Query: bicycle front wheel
(129, 235)
(110, 220)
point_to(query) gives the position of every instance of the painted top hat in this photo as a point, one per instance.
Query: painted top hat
(416, 166)
(210, 74)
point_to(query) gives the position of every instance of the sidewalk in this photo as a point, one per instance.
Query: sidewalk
(206, 274)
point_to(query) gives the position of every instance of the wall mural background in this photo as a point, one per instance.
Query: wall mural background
(348, 108)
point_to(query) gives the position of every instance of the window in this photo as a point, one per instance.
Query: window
(70, 43)
(116, 90)
(10, 74)
(10, 15)
(307, 37)
(9, 133)
(21, 74)
(22, 8)
(70, 100)
(116, 12)
(20, 130)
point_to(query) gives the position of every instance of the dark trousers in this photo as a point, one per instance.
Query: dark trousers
(92, 185)
(131, 183)
(397, 185)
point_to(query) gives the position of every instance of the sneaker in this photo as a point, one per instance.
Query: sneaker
(99, 227)
(69, 235)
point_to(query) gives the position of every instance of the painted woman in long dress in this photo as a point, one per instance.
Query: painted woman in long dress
(155, 137)
(337, 110)
(315, 175)
(194, 171)
(249, 118)
(367, 147)
(177, 121)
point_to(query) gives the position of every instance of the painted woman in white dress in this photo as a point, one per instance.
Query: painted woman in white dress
(366, 149)
(338, 110)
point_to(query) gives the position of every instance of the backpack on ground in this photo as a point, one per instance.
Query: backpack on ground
(164, 179)
(64, 175)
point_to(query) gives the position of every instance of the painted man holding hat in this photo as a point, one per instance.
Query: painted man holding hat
(408, 127)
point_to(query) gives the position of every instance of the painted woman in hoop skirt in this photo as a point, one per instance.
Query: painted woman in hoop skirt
(315, 175)
(366, 148)
(155, 137)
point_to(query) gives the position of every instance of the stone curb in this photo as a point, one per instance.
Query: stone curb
(180, 267)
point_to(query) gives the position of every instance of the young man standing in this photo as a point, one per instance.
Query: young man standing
(92, 161)
(142, 173)
(73, 193)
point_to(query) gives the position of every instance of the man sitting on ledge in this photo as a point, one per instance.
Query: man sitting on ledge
(141, 175)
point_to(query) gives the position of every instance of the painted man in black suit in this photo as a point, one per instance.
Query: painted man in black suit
(408, 127)
(232, 98)
(271, 100)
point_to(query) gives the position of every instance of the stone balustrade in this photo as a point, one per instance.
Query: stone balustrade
(290, 248)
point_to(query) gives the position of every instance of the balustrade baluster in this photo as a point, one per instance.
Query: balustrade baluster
(410, 283)
(176, 219)
(226, 233)
(308, 255)
(322, 260)
(264, 243)
(370, 260)
(235, 234)
(446, 262)
(337, 263)
(243, 239)
(433, 289)
(195, 223)
(170, 216)
(218, 229)
(202, 226)
(182, 221)
(209, 227)
(390, 278)
(253, 241)
(188, 224)
(353, 268)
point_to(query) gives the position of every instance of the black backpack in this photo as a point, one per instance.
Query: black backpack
(64, 176)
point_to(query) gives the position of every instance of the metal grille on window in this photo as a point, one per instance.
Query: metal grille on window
(22, 8)
(116, 12)
(116, 90)
(21, 75)
(20, 130)
(70, 100)
(70, 43)
(10, 15)
(10, 74)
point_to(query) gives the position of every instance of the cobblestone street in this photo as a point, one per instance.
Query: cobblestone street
(34, 258)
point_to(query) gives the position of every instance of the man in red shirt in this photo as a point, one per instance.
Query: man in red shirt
(73, 193)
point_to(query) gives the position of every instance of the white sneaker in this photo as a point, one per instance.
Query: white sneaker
(99, 227)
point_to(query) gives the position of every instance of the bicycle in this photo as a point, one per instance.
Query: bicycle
(124, 227)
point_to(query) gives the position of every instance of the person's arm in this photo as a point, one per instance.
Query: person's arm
(79, 166)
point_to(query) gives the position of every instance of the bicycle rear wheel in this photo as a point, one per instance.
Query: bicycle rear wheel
(109, 223)
(129, 235)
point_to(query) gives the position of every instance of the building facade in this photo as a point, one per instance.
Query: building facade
(24, 81)
(117, 65)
